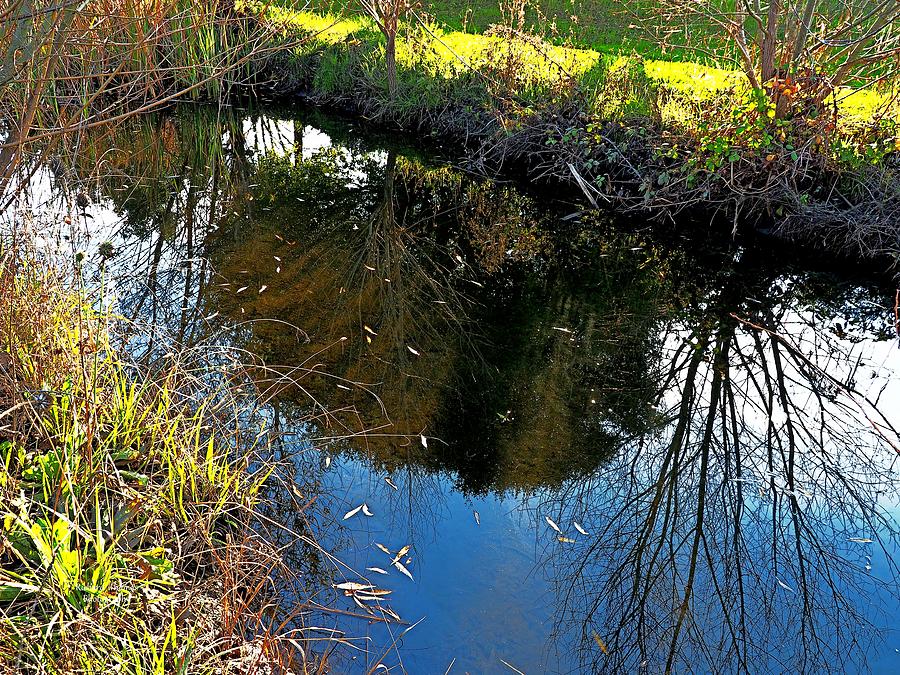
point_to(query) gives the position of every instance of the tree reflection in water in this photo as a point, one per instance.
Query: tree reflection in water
(742, 537)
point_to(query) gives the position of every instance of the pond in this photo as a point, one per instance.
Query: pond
(563, 441)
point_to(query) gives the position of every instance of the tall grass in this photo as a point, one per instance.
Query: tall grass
(73, 64)
(126, 503)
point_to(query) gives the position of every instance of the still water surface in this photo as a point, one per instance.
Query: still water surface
(603, 448)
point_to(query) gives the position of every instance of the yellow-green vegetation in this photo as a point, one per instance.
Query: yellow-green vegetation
(125, 521)
(439, 67)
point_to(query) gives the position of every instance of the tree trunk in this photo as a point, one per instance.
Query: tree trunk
(390, 61)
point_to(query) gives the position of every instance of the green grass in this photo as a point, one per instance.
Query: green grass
(440, 66)
(125, 518)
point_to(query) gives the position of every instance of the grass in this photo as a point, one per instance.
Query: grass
(441, 66)
(126, 537)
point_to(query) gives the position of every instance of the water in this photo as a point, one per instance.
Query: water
(484, 366)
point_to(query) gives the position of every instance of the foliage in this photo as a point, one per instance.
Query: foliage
(125, 518)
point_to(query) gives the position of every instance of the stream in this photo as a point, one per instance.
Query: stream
(587, 443)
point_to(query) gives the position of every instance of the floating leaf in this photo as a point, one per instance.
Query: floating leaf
(369, 330)
(413, 350)
(387, 479)
(353, 586)
(353, 512)
(477, 518)
(565, 540)
(366, 511)
(383, 548)
(241, 290)
(860, 540)
(552, 524)
(262, 288)
(600, 643)
(578, 527)
(424, 441)
(399, 565)
(784, 585)
(402, 552)
(377, 570)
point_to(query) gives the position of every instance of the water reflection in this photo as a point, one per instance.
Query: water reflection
(721, 423)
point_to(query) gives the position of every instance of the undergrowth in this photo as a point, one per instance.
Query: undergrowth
(640, 134)
(127, 508)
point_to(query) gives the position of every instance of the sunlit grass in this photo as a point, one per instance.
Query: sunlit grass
(124, 513)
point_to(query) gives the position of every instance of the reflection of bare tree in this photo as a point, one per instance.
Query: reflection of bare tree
(740, 539)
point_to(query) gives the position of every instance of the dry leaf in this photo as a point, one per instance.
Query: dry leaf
(578, 527)
(402, 552)
(552, 524)
(383, 548)
(565, 540)
(366, 511)
(353, 586)
(413, 350)
(353, 512)
(600, 643)
(387, 479)
(369, 330)
(399, 566)
(377, 570)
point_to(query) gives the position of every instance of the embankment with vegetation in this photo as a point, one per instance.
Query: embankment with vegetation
(130, 536)
(805, 160)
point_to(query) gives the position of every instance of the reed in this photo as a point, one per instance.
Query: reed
(129, 535)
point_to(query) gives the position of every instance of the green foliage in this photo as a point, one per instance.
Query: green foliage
(115, 489)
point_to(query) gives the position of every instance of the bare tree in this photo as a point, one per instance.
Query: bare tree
(795, 51)
(387, 14)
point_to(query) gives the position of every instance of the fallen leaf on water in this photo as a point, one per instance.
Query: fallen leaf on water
(413, 350)
(424, 441)
(402, 552)
(565, 540)
(368, 340)
(600, 643)
(784, 585)
(477, 518)
(353, 512)
(860, 540)
(262, 288)
(552, 524)
(327, 461)
(399, 565)
(511, 667)
(353, 586)
(369, 330)
(383, 548)
(366, 511)
(387, 479)
(278, 270)
(377, 570)
(371, 269)
(277, 258)
(578, 527)
(240, 290)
